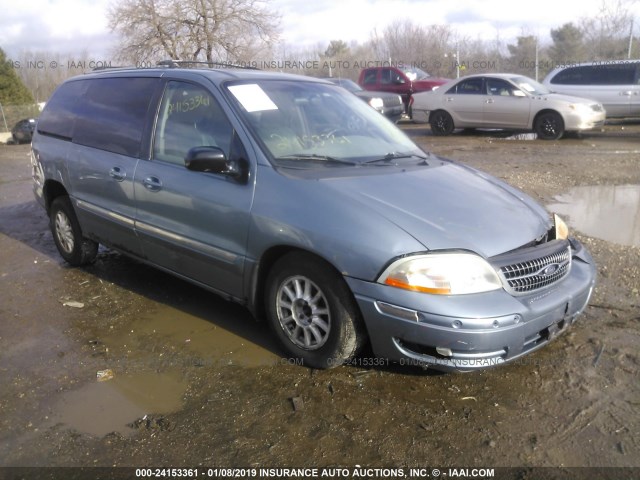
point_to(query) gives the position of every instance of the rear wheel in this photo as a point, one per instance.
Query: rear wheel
(73, 247)
(549, 126)
(441, 123)
(312, 311)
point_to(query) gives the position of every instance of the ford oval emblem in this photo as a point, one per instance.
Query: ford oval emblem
(550, 269)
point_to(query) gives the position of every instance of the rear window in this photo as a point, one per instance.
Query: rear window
(616, 74)
(105, 113)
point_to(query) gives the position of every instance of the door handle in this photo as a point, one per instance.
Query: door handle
(152, 183)
(118, 174)
(449, 99)
(626, 93)
(490, 100)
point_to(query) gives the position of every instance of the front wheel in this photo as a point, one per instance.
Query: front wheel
(549, 126)
(312, 311)
(73, 247)
(441, 123)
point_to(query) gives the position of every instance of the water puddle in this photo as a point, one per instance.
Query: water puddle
(608, 212)
(518, 136)
(103, 407)
(216, 336)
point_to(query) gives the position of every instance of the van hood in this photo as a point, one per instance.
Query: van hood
(448, 206)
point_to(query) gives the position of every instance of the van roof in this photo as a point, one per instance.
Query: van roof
(216, 74)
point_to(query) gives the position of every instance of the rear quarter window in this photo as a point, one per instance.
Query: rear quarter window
(59, 116)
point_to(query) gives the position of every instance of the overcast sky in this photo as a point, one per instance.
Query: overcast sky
(74, 26)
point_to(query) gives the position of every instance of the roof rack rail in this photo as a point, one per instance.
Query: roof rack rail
(108, 67)
(194, 63)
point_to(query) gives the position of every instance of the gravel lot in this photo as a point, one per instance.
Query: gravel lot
(196, 381)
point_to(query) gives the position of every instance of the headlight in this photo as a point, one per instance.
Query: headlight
(581, 108)
(442, 274)
(376, 103)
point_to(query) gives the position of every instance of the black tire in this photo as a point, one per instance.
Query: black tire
(441, 123)
(549, 126)
(73, 247)
(312, 311)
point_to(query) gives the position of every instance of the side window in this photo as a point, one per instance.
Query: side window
(386, 76)
(58, 117)
(611, 74)
(573, 76)
(370, 77)
(621, 74)
(496, 86)
(189, 117)
(112, 114)
(472, 86)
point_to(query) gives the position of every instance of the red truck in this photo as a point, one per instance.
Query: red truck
(404, 81)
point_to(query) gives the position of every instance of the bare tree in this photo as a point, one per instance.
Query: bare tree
(411, 43)
(42, 71)
(607, 35)
(211, 30)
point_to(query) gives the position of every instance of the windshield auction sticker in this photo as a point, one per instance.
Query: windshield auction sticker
(252, 97)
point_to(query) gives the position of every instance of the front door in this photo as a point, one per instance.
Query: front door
(506, 106)
(193, 223)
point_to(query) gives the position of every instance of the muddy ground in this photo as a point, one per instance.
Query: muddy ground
(198, 382)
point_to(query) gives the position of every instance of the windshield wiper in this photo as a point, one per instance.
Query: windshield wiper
(389, 157)
(316, 158)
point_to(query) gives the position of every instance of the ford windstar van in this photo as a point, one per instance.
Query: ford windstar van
(293, 197)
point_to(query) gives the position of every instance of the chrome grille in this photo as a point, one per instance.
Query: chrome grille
(533, 274)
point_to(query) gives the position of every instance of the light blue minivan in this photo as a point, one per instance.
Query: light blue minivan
(293, 197)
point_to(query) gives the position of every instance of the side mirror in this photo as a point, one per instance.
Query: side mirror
(399, 81)
(519, 93)
(211, 160)
(206, 159)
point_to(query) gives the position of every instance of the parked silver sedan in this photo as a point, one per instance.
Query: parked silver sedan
(507, 101)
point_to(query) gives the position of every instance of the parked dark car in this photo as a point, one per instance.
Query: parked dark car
(388, 104)
(22, 132)
(291, 196)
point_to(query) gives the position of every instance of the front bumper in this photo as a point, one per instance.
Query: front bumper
(470, 332)
(392, 113)
(576, 122)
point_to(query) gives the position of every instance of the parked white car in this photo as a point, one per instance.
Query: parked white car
(505, 101)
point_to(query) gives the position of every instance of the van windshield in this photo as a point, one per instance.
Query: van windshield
(304, 122)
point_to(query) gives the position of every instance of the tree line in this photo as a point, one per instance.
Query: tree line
(247, 32)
